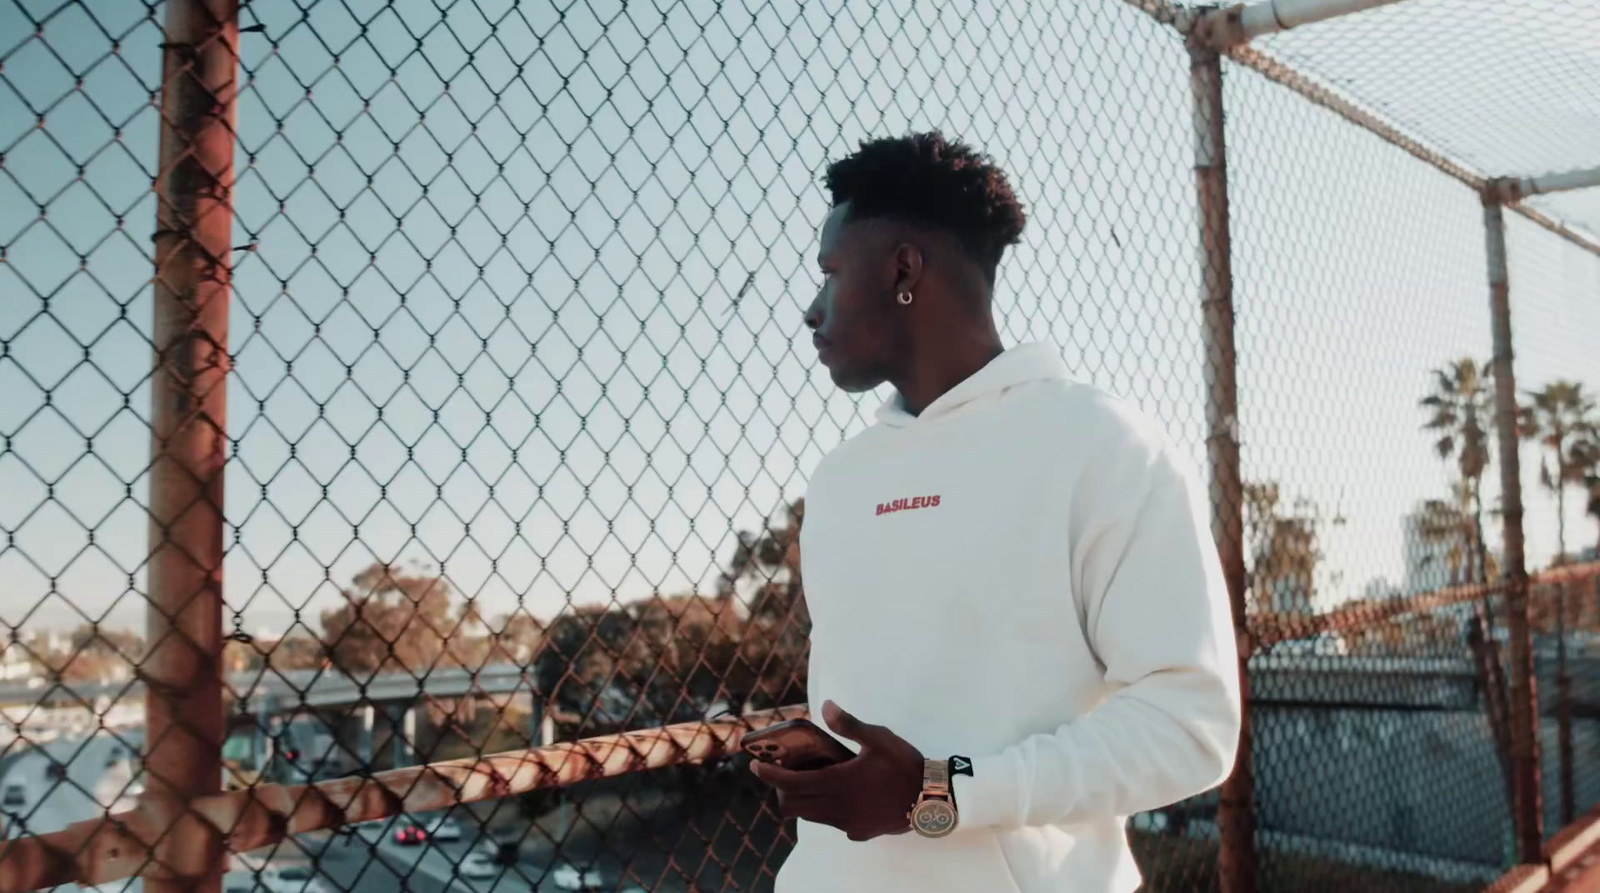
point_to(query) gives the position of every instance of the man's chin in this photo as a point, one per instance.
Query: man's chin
(851, 382)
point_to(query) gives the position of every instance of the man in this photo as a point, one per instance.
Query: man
(1010, 573)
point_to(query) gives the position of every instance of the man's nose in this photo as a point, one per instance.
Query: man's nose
(813, 317)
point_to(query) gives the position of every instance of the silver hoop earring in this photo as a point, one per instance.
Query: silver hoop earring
(904, 298)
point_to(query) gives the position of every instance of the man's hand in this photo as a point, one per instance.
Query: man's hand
(865, 796)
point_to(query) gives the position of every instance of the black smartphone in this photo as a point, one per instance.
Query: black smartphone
(795, 744)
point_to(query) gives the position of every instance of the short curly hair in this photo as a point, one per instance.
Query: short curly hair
(927, 180)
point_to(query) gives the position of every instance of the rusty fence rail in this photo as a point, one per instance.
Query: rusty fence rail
(403, 435)
(124, 844)
(121, 845)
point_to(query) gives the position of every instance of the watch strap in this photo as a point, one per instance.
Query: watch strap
(934, 814)
(936, 778)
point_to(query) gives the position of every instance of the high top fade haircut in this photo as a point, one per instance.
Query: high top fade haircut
(926, 180)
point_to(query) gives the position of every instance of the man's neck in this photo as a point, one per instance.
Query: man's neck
(937, 367)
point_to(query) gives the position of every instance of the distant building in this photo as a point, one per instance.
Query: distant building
(1428, 563)
(1378, 589)
(16, 664)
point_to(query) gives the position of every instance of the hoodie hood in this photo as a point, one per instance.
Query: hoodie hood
(1039, 361)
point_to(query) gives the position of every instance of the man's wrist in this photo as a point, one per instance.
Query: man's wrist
(934, 813)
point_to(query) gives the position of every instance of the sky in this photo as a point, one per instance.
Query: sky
(524, 289)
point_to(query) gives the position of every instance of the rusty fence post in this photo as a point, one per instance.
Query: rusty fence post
(185, 721)
(1527, 810)
(1236, 811)
(1564, 705)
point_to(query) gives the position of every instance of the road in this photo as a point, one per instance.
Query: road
(370, 861)
(49, 787)
(634, 835)
(719, 839)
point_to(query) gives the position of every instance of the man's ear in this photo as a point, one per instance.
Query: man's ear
(908, 267)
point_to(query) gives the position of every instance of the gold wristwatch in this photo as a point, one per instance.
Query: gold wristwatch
(934, 814)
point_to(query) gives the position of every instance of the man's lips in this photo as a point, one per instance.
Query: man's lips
(821, 344)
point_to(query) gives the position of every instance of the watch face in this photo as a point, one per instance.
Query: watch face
(933, 818)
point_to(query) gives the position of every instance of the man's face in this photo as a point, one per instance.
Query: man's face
(856, 324)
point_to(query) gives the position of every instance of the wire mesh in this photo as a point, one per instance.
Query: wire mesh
(1438, 67)
(1580, 208)
(1359, 282)
(1562, 501)
(518, 435)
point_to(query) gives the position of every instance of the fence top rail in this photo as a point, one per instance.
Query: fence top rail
(1234, 30)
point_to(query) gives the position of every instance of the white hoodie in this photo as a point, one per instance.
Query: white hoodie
(1022, 575)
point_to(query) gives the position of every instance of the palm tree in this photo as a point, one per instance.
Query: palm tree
(1591, 480)
(1586, 453)
(1448, 523)
(1460, 410)
(1561, 418)
(1283, 548)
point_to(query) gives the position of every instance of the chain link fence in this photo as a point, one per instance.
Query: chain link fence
(452, 536)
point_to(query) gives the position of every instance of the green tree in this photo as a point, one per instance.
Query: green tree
(1449, 524)
(1460, 411)
(671, 658)
(392, 619)
(1281, 545)
(765, 574)
(297, 650)
(516, 638)
(1559, 417)
(656, 660)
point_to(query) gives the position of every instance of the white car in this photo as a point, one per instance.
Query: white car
(478, 865)
(570, 877)
(444, 828)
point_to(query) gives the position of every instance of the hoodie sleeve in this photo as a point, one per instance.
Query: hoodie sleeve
(1155, 609)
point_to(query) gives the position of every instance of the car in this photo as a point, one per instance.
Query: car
(571, 877)
(410, 835)
(444, 828)
(478, 865)
(16, 797)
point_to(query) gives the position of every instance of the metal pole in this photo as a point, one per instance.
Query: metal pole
(266, 709)
(1491, 676)
(536, 728)
(402, 734)
(1514, 190)
(1564, 708)
(1211, 26)
(185, 717)
(364, 743)
(1235, 814)
(1243, 23)
(1526, 811)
